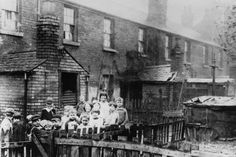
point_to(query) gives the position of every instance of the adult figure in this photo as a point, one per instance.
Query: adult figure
(6, 128)
(48, 112)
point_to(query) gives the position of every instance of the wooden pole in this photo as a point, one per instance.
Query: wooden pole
(213, 74)
(25, 97)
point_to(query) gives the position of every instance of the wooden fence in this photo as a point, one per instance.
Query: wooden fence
(100, 142)
(16, 149)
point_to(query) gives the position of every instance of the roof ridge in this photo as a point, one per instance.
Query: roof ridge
(26, 51)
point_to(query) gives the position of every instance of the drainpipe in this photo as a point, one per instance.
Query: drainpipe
(86, 84)
(25, 96)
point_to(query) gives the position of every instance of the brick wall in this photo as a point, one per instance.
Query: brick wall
(28, 19)
(11, 91)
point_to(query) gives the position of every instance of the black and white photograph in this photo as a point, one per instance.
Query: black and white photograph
(117, 78)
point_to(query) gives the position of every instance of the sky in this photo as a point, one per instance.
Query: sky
(175, 7)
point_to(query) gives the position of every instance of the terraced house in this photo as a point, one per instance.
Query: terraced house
(71, 50)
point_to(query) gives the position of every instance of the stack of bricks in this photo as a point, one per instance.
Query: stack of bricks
(48, 37)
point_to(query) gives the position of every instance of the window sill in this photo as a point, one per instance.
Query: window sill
(168, 59)
(107, 49)
(187, 63)
(72, 43)
(12, 33)
(143, 55)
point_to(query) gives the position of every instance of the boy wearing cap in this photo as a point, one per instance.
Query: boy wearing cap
(123, 114)
(18, 128)
(48, 112)
(6, 126)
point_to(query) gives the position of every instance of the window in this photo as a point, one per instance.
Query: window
(69, 24)
(167, 47)
(219, 59)
(107, 85)
(10, 15)
(141, 40)
(108, 33)
(204, 55)
(187, 54)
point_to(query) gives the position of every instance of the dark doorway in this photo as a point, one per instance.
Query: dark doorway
(69, 88)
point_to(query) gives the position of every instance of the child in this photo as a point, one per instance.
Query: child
(113, 116)
(104, 106)
(6, 126)
(96, 120)
(74, 120)
(86, 110)
(123, 114)
(18, 128)
(48, 112)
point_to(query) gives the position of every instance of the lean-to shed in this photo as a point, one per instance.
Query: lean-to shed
(210, 117)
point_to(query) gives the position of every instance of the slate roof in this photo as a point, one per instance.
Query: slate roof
(19, 61)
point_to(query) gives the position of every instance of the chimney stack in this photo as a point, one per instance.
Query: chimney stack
(157, 12)
(48, 33)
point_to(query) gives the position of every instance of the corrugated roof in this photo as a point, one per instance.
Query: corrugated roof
(211, 101)
(19, 61)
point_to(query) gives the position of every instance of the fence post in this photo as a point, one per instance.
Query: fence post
(51, 144)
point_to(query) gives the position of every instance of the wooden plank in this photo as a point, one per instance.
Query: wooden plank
(121, 145)
(146, 154)
(135, 153)
(120, 153)
(68, 151)
(84, 151)
(107, 152)
(95, 152)
(74, 151)
(39, 146)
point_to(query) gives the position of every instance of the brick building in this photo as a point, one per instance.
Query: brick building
(115, 50)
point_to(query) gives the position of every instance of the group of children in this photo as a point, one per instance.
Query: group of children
(98, 113)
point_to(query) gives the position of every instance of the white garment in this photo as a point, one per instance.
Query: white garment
(96, 122)
(104, 109)
(112, 118)
(6, 129)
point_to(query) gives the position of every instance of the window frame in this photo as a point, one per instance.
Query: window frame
(110, 33)
(16, 31)
(108, 82)
(74, 25)
(187, 51)
(205, 54)
(167, 47)
(141, 42)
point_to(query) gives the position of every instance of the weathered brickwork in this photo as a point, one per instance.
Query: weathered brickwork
(28, 19)
(91, 55)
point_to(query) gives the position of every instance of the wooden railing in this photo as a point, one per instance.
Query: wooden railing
(16, 149)
(94, 141)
